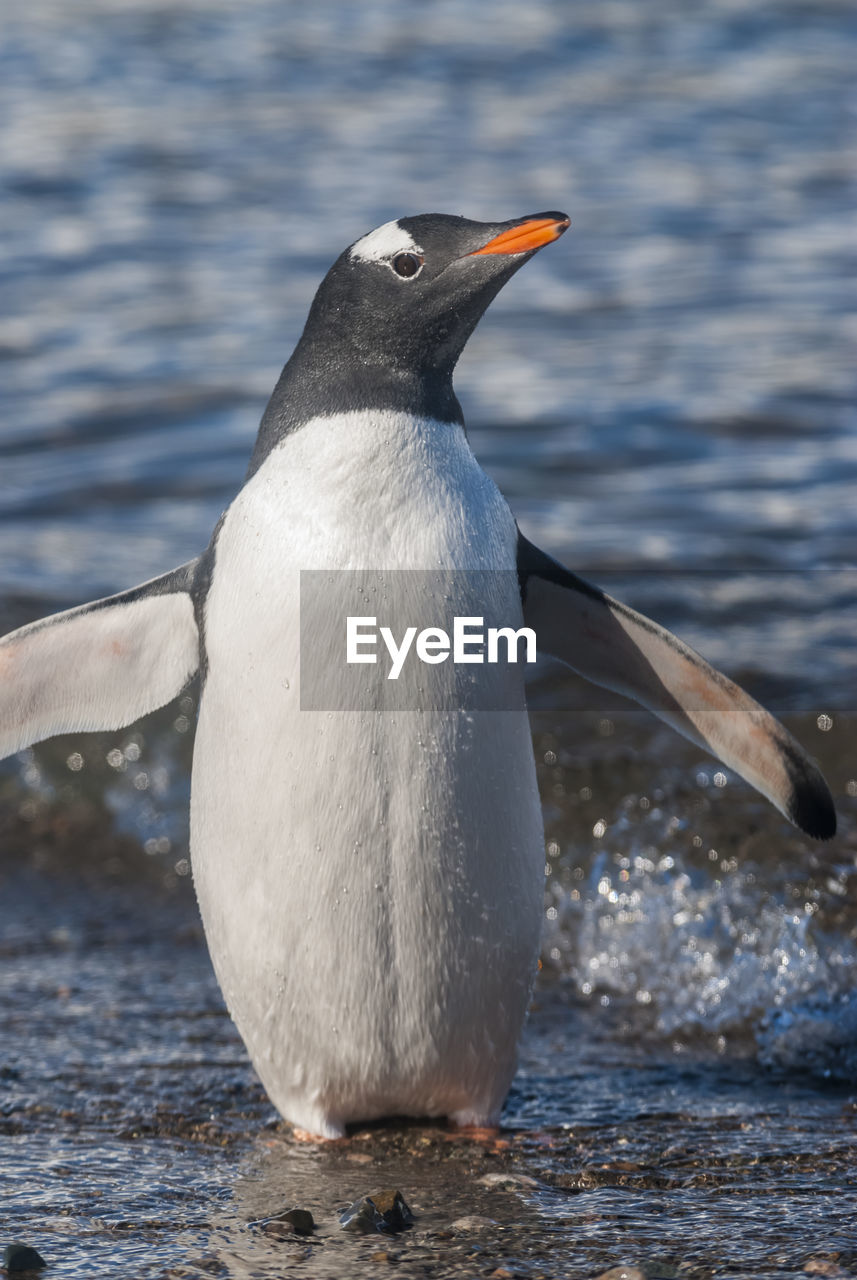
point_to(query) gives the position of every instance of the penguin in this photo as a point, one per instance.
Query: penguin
(371, 884)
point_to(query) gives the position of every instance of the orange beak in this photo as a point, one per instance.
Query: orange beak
(526, 236)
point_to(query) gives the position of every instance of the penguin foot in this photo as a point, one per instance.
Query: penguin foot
(305, 1136)
(487, 1135)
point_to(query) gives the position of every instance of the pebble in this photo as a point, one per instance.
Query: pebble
(475, 1222)
(20, 1257)
(362, 1218)
(382, 1211)
(300, 1220)
(286, 1225)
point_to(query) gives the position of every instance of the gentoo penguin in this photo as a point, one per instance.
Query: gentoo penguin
(371, 883)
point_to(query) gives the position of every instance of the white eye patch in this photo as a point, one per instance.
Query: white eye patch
(384, 243)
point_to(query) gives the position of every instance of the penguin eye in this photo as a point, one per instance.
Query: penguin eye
(407, 264)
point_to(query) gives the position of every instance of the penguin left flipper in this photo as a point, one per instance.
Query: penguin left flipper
(619, 649)
(101, 665)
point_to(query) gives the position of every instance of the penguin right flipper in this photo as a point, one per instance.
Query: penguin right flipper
(619, 649)
(101, 665)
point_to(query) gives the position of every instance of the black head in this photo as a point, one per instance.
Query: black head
(393, 314)
(411, 293)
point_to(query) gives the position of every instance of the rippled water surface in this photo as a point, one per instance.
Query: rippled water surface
(666, 397)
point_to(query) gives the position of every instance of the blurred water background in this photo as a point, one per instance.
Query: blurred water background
(667, 400)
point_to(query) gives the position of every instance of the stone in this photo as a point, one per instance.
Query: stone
(362, 1218)
(382, 1211)
(473, 1222)
(300, 1220)
(20, 1257)
(393, 1207)
(288, 1224)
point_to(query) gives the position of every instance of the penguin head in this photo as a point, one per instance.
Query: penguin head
(392, 316)
(409, 294)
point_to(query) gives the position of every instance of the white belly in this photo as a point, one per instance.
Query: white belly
(370, 884)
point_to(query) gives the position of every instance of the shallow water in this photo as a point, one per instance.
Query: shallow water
(137, 1139)
(667, 399)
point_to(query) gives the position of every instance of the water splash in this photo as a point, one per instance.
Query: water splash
(720, 944)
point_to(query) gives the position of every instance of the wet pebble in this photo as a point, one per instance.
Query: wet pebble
(362, 1217)
(473, 1222)
(286, 1225)
(382, 1211)
(300, 1220)
(20, 1257)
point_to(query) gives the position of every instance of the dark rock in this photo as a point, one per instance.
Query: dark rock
(288, 1224)
(300, 1220)
(382, 1211)
(20, 1257)
(393, 1207)
(363, 1218)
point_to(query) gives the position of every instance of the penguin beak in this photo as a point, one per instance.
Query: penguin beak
(528, 235)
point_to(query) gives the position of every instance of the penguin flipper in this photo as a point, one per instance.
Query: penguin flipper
(101, 665)
(619, 649)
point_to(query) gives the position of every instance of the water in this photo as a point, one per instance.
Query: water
(667, 399)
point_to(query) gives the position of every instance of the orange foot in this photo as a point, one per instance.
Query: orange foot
(304, 1135)
(488, 1136)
